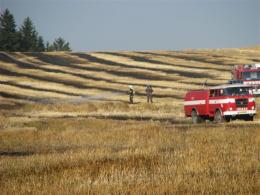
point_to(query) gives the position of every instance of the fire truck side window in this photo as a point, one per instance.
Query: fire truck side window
(213, 93)
(221, 92)
(216, 92)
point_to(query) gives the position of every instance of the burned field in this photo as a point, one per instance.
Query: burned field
(66, 125)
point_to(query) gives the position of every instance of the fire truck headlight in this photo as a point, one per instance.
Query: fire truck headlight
(230, 108)
(251, 99)
(252, 107)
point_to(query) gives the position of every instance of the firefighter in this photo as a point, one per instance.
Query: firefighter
(149, 93)
(205, 84)
(131, 94)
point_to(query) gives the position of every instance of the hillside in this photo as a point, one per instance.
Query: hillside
(66, 126)
(76, 77)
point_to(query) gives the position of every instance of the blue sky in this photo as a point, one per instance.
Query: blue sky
(106, 25)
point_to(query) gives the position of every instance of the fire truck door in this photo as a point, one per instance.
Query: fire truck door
(214, 103)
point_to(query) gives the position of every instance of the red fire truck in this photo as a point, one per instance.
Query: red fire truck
(248, 74)
(221, 103)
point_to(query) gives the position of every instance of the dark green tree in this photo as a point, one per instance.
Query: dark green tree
(8, 36)
(28, 36)
(59, 44)
(49, 47)
(40, 44)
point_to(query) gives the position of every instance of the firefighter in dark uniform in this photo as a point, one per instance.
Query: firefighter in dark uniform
(131, 94)
(149, 93)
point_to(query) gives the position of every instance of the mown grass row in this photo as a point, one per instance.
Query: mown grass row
(72, 75)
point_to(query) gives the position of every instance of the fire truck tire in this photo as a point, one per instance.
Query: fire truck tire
(218, 118)
(249, 118)
(195, 117)
(227, 119)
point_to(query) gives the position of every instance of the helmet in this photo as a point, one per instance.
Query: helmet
(130, 86)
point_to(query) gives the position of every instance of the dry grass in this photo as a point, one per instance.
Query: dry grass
(104, 156)
(57, 135)
(66, 76)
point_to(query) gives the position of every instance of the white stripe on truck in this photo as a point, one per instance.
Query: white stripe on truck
(252, 82)
(194, 102)
(219, 101)
(222, 101)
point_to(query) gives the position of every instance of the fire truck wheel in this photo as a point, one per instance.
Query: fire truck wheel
(218, 117)
(249, 118)
(195, 117)
(227, 119)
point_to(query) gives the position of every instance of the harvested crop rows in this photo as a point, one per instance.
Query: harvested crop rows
(66, 126)
(106, 75)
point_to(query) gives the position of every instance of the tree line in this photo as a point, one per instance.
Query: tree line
(26, 38)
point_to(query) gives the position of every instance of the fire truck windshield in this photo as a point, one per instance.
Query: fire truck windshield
(235, 91)
(251, 76)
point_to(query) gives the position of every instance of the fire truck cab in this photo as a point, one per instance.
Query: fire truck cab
(220, 103)
(248, 74)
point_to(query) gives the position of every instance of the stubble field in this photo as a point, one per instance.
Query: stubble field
(66, 126)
